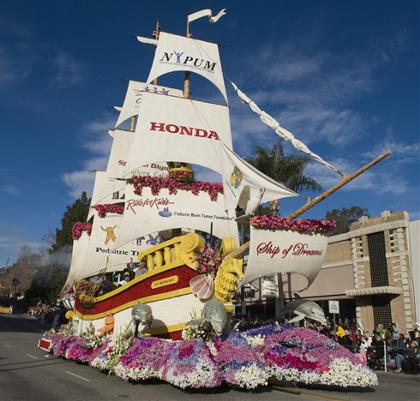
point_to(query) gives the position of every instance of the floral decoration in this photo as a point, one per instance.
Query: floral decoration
(156, 184)
(274, 223)
(79, 227)
(243, 359)
(209, 260)
(104, 209)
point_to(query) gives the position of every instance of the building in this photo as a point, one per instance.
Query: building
(369, 270)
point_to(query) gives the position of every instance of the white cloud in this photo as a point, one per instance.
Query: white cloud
(381, 181)
(402, 153)
(68, 71)
(98, 143)
(79, 181)
(11, 190)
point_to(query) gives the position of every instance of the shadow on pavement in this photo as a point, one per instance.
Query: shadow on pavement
(20, 323)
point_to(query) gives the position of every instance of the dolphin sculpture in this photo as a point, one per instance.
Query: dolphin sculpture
(304, 309)
(141, 318)
(213, 313)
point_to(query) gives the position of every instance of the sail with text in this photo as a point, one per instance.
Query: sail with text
(179, 53)
(134, 95)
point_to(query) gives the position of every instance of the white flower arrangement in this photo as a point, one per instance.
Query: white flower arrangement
(92, 339)
(252, 376)
(100, 363)
(254, 341)
(135, 374)
(203, 373)
(345, 374)
(341, 373)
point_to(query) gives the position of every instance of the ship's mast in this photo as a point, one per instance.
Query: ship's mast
(155, 35)
(187, 73)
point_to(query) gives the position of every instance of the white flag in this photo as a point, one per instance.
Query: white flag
(283, 133)
(206, 13)
(147, 41)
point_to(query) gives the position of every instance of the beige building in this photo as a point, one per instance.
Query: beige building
(368, 270)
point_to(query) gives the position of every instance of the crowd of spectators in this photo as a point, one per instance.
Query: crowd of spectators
(385, 346)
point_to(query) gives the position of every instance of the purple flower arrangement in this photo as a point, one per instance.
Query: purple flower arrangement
(243, 359)
(170, 183)
(241, 366)
(79, 227)
(104, 209)
(189, 364)
(274, 222)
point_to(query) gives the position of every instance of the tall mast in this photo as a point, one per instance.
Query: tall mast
(187, 73)
(155, 34)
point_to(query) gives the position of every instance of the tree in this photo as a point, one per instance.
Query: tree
(78, 211)
(287, 170)
(344, 217)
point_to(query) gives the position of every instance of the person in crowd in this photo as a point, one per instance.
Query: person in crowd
(395, 333)
(380, 330)
(140, 269)
(416, 332)
(340, 330)
(398, 352)
(412, 358)
(376, 352)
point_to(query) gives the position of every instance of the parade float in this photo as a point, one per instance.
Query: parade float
(178, 238)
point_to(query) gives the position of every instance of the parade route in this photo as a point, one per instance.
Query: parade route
(27, 373)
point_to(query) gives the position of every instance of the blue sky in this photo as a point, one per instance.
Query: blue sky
(342, 76)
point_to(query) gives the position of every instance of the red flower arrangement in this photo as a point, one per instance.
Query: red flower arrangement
(274, 223)
(109, 208)
(79, 227)
(158, 183)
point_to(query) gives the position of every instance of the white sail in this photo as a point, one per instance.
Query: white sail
(100, 249)
(240, 176)
(147, 213)
(177, 129)
(178, 53)
(105, 190)
(273, 252)
(134, 94)
(77, 256)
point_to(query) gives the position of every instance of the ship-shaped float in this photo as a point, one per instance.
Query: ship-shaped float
(152, 220)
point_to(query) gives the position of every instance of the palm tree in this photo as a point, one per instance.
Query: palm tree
(286, 169)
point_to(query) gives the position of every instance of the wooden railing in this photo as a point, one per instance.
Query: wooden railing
(174, 252)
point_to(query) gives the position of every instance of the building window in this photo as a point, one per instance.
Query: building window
(381, 310)
(116, 195)
(377, 257)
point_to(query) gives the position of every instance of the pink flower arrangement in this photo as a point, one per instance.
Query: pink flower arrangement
(274, 222)
(209, 260)
(158, 183)
(79, 227)
(109, 208)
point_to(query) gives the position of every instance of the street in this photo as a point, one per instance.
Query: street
(29, 374)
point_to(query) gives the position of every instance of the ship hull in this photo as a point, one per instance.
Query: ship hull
(167, 292)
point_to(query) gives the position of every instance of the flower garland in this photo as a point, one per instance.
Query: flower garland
(156, 184)
(79, 227)
(109, 208)
(274, 222)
